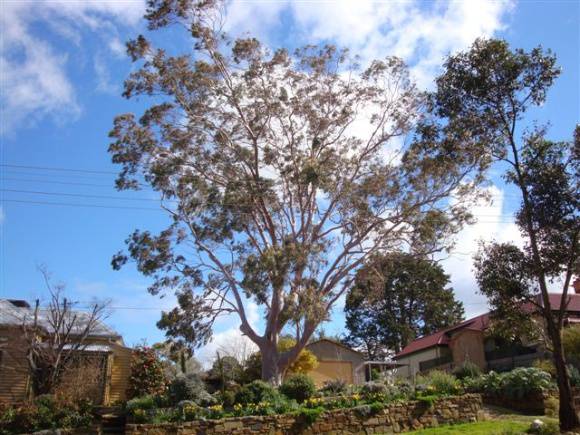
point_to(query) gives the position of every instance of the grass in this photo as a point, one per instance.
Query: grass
(498, 427)
(501, 424)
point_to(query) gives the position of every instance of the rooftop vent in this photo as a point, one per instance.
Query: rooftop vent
(19, 303)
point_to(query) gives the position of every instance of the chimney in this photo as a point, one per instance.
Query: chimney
(576, 285)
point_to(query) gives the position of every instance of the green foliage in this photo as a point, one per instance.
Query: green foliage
(143, 403)
(44, 413)
(439, 383)
(574, 376)
(284, 226)
(373, 390)
(308, 416)
(552, 405)
(486, 91)
(395, 298)
(255, 392)
(224, 371)
(147, 373)
(189, 387)
(522, 381)
(334, 387)
(428, 400)
(299, 387)
(545, 365)
(571, 343)
(467, 370)
(515, 384)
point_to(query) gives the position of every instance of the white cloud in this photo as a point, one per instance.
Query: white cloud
(104, 81)
(492, 224)
(422, 33)
(229, 332)
(33, 72)
(117, 47)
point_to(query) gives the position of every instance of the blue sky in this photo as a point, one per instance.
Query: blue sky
(62, 67)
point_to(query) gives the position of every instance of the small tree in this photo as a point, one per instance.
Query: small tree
(304, 363)
(56, 336)
(225, 370)
(396, 298)
(282, 173)
(483, 94)
(147, 374)
(177, 360)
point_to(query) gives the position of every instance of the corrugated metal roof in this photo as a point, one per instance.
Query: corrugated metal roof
(12, 315)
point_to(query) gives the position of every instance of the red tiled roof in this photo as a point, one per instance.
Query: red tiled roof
(572, 299)
(441, 338)
(480, 323)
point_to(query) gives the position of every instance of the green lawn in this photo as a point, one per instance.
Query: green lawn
(504, 425)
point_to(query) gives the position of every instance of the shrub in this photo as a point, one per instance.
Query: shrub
(147, 375)
(45, 413)
(141, 403)
(255, 392)
(299, 387)
(467, 370)
(189, 387)
(552, 405)
(515, 384)
(308, 416)
(525, 380)
(440, 383)
(402, 389)
(374, 391)
(334, 387)
(574, 376)
(546, 365)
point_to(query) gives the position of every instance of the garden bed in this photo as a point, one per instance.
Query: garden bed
(396, 418)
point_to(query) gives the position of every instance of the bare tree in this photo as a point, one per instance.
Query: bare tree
(239, 347)
(56, 336)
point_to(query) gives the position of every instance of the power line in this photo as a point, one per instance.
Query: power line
(155, 209)
(78, 205)
(70, 183)
(81, 195)
(51, 168)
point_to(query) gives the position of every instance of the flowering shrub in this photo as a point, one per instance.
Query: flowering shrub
(45, 413)
(298, 387)
(147, 375)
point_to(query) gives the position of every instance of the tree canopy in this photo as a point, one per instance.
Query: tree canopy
(282, 173)
(485, 93)
(396, 298)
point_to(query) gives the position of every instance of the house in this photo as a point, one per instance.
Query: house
(338, 361)
(103, 346)
(468, 341)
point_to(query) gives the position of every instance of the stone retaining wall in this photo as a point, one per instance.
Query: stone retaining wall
(532, 404)
(393, 418)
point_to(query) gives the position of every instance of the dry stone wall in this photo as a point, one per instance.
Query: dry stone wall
(394, 418)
